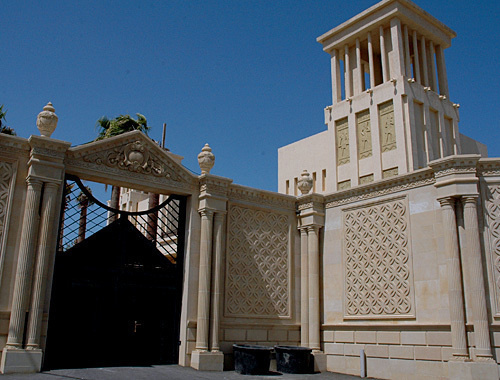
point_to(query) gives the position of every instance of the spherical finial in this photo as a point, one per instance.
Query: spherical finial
(305, 182)
(206, 159)
(46, 121)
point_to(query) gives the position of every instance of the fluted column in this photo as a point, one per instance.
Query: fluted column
(204, 280)
(407, 53)
(459, 342)
(360, 73)
(304, 289)
(478, 296)
(216, 287)
(313, 264)
(45, 247)
(347, 69)
(423, 50)
(432, 58)
(24, 264)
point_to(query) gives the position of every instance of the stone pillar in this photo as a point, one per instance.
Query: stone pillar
(478, 296)
(407, 53)
(314, 304)
(424, 62)
(441, 69)
(370, 60)
(359, 69)
(204, 280)
(336, 82)
(46, 246)
(216, 286)
(304, 289)
(416, 60)
(397, 57)
(458, 337)
(347, 69)
(433, 81)
(22, 283)
(383, 55)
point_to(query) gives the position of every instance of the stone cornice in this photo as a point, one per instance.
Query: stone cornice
(13, 145)
(489, 167)
(392, 185)
(463, 164)
(261, 197)
(211, 185)
(311, 201)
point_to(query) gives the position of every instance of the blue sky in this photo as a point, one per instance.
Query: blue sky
(245, 76)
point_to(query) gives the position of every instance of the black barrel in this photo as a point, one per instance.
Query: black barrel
(293, 359)
(251, 360)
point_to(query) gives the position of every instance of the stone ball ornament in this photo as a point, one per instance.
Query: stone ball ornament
(46, 121)
(206, 159)
(305, 183)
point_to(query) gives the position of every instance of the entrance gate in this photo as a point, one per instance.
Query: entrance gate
(116, 295)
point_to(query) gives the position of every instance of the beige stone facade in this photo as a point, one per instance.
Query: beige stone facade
(388, 261)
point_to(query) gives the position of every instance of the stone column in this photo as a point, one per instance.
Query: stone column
(397, 56)
(314, 305)
(424, 61)
(478, 296)
(335, 66)
(45, 248)
(407, 53)
(22, 283)
(216, 286)
(370, 60)
(432, 58)
(360, 71)
(204, 280)
(347, 69)
(441, 68)
(383, 55)
(416, 61)
(458, 337)
(304, 289)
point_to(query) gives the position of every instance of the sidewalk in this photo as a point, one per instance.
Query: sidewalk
(170, 372)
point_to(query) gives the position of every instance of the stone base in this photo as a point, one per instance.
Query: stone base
(21, 361)
(207, 361)
(319, 361)
(472, 370)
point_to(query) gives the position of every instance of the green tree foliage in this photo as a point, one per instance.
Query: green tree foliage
(120, 124)
(3, 127)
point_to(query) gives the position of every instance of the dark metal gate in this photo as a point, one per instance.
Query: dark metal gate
(116, 294)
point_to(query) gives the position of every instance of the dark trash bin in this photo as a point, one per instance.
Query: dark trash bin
(251, 359)
(293, 359)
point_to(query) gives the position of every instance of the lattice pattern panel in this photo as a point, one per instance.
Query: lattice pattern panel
(492, 205)
(377, 261)
(6, 175)
(257, 264)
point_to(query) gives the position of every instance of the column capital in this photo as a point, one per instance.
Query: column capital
(446, 202)
(469, 200)
(303, 230)
(206, 212)
(313, 227)
(34, 181)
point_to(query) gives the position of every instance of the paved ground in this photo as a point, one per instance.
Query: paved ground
(170, 372)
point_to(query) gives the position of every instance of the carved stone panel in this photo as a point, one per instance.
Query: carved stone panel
(7, 171)
(387, 129)
(257, 264)
(342, 139)
(377, 265)
(492, 208)
(364, 134)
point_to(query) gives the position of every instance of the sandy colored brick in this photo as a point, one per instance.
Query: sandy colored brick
(334, 348)
(377, 351)
(344, 336)
(279, 335)
(401, 352)
(428, 353)
(352, 365)
(413, 338)
(235, 335)
(388, 337)
(335, 363)
(328, 336)
(447, 353)
(190, 347)
(438, 338)
(365, 337)
(352, 349)
(294, 336)
(256, 335)
(191, 334)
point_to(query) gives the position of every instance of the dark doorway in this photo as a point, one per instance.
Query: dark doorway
(116, 300)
